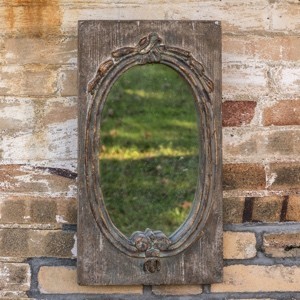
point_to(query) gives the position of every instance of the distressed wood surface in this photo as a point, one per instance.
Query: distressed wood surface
(100, 261)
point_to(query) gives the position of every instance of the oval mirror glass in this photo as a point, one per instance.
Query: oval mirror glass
(149, 150)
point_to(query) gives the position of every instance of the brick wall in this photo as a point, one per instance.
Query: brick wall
(261, 146)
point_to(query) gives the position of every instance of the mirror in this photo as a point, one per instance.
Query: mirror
(149, 150)
(149, 153)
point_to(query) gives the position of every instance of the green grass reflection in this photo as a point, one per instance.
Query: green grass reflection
(149, 150)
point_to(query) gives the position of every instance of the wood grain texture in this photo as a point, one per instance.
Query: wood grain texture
(106, 256)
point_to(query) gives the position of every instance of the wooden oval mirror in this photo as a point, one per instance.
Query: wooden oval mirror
(149, 169)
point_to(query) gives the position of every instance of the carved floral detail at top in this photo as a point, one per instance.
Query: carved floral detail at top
(150, 242)
(149, 46)
(150, 50)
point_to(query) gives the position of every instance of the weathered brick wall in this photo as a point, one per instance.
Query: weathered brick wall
(261, 143)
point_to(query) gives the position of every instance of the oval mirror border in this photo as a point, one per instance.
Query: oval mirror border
(150, 49)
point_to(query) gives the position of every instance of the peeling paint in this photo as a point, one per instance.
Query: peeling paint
(74, 249)
(271, 179)
(60, 219)
(33, 18)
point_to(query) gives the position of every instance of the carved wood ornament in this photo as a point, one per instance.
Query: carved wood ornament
(150, 250)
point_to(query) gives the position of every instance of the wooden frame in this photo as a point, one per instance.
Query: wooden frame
(193, 253)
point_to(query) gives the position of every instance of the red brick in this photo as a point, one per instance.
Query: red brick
(282, 113)
(243, 176)
(237, 113)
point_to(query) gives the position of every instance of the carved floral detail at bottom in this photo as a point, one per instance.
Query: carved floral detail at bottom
(150, 242)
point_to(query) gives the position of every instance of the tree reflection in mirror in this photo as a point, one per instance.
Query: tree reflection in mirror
(149, 150)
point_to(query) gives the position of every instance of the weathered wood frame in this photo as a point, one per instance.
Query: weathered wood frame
(193, 253)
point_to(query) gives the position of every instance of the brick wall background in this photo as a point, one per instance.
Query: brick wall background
(261, 146)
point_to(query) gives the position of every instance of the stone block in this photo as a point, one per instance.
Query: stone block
(284, 244)
(282, 142)
(13, 211)
(36, 243)
(293, 209)
(233, 209)
(244, 81)
(242, 144)
(267, 209)
(255, 47)
(28, 80)
(165, 290)
(55, 50)
(285, 16)
(243, 176)
(37, 210)
(14, 279)
(284, 80)
(43, 211)
(63, 280)
(286, 176)
(254, 278)
(239, 245)
(260, 144)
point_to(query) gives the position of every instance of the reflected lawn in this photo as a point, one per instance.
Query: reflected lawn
(149, 150)
(152, 192)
